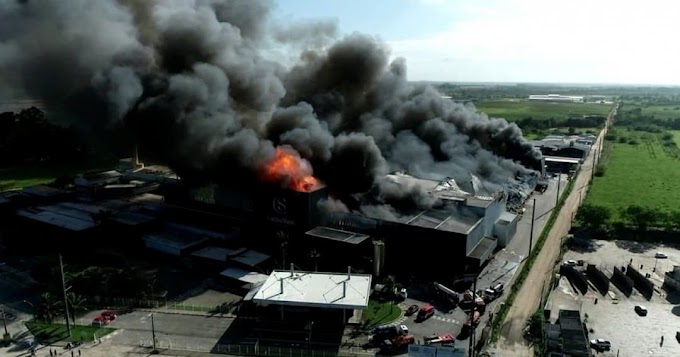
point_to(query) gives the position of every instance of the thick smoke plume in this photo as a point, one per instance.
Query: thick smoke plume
(197, 84)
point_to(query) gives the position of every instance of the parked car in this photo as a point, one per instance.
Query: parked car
(660, 255)
(411, 310)
(100, 321)
(571, 263)
(109, 314)
(641, 310)
(600, 344)
(403, 329)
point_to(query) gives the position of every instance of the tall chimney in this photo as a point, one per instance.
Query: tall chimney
(349, 272)
(281, 281)
(292, 272)
(344, 288)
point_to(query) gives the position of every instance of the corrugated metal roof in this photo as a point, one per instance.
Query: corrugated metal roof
(338, 235)
(244, 275)
(251, 258)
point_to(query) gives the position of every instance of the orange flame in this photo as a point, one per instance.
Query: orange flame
(291, 169)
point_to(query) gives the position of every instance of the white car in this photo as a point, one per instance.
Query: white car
(571, 263)
(660, 255)
(600, 344)
(404, 329)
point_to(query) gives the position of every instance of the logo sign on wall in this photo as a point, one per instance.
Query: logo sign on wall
(279, 205)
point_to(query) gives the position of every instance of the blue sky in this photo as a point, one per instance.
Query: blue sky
(573, 41)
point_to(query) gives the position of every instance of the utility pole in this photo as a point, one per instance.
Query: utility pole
(63, 287)
(557, 198)
(153, 336)
(531, 234)
(472, 317)
(4, 319)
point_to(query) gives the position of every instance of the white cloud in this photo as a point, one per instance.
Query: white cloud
(531, 40)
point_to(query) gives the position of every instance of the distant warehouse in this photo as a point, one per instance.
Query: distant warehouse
(555, 98)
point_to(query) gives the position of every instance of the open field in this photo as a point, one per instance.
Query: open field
(646, 174)
(516, 110)
(661, 111)
(676, 136)
(50, 333)
(17, 177)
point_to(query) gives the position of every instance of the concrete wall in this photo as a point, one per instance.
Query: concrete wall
(670, 283)
(575, 277)
(642, 284)
(598, 279)
(474, 236)
(622, 282)
(493, 212)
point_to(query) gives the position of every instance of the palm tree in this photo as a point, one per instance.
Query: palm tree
(49, 307)
(76, 303)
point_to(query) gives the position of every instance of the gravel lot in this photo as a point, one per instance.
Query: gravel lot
(630, 334)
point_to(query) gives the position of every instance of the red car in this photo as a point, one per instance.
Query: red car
(108, 314)
(411, 310)
(100, 321)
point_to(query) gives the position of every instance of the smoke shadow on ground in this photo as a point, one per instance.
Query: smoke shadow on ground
(636, 247)
(676, 310)
(673, 298)
(583, 243)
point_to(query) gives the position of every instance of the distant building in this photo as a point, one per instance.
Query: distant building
(564, 154)
(556, 98)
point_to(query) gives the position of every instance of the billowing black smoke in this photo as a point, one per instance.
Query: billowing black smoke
(198, 85)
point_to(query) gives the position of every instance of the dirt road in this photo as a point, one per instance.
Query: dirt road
(512, 342)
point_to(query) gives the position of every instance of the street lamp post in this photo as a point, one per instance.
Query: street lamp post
(153, 336)
(32, 307)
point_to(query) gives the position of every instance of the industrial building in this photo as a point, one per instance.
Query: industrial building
(564, 154)
(568, 336)
(218, 227)
(555, 98)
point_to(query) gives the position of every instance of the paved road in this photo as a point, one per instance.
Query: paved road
(177, 330)
(512, 342)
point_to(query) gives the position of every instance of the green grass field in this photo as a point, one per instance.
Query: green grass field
(380, 313)
(17, 177)
(647, 174)
(50, 333)
(662, 111)
(515, 110)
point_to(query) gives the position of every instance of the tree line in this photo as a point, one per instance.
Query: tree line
(84, 284)
(599, 219)
(27, 137)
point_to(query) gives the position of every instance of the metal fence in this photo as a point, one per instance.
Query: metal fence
(118, 302)
(254, 349)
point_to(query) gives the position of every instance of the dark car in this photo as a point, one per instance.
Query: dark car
(641, 310)
(411, 310)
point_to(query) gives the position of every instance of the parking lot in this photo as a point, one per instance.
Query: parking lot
(616, 320)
